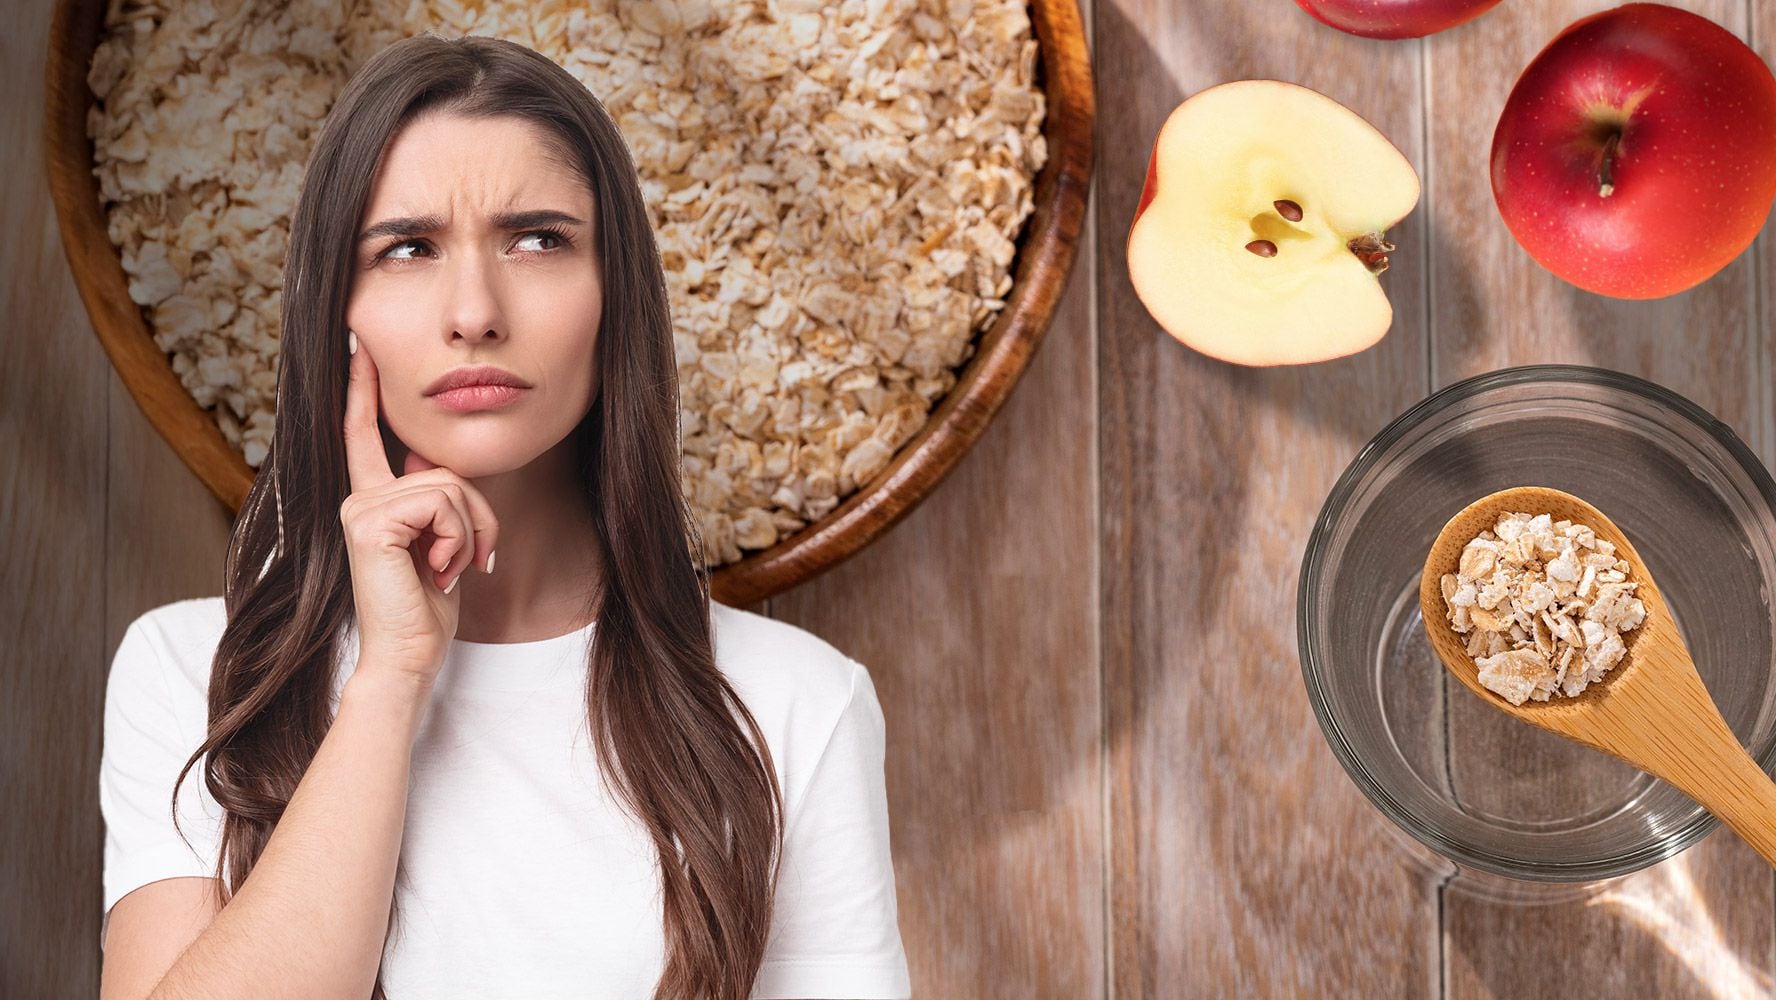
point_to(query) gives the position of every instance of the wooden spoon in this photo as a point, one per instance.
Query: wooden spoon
(1650, 710)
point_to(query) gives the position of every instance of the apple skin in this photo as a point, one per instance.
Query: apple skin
(1150, 186)
(1693, 174)
(1395, 18)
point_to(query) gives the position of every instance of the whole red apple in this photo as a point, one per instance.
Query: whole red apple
(1395, 18)
(1636, 155)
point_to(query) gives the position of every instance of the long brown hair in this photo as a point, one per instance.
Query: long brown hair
(668, 725)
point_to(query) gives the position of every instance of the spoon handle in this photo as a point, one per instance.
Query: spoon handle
(1744, 798)
(1709, 764)
(1670, 727)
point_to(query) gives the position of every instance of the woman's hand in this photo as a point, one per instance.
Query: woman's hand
(408, 539)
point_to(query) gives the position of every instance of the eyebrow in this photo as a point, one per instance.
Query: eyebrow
(425, 225)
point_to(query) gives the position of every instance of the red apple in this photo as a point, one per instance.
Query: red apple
(1395, 18)
(1262, 224)
(1636, 155)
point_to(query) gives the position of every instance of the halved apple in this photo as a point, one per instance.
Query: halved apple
(1262, 226)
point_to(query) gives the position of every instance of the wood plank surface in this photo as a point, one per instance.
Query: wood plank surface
(59, 547)
(101, 521)
(1702, 922)
(1245, 863)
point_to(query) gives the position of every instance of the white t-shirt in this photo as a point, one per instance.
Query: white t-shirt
(520, 875)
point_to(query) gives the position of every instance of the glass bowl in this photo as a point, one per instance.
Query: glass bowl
(1479, 788)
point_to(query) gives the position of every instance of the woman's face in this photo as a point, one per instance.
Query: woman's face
(455, 269)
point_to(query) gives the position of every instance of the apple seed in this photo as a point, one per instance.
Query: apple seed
(1289, 210)
(1263, 248)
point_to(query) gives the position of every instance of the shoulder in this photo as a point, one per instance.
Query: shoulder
(816, 706)
(177, 639)
(185, 620)
(782, 670)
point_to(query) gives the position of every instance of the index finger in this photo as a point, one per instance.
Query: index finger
(366, 460)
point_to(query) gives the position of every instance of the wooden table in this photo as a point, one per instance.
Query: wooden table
(1059, 633)
(1063, 633)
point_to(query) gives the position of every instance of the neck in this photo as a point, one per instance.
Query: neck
(547, 561)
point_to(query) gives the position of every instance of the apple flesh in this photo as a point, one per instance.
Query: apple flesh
(1261, 227)
(1395, 18)
(1636, 155)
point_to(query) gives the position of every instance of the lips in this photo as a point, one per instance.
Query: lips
(475, 375)
(474, 398)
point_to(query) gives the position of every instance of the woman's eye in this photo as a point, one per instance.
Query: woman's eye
(390, 254)
(542, 236)
(405, 243)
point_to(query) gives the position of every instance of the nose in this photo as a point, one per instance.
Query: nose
(474, 311)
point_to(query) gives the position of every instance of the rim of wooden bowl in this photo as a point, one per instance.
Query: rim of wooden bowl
(1046, 250)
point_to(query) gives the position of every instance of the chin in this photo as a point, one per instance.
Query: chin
(498, 445)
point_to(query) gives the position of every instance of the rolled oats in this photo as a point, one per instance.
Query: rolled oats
(1543, 604)
(835, 188)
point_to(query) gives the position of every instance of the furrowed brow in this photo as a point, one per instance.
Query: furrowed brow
(425, 225)
(407, 226)
(531, 218)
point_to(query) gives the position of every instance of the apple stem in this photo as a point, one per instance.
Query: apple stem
(1373, 251)
(1606, 182)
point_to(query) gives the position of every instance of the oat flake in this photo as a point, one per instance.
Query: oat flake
(1543, 604)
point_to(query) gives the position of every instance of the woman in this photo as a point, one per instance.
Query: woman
(575, 776)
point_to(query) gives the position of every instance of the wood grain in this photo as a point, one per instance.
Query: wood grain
(52, 574)
(1244, 861)
(977, 620)
(89, 542)
(1494, 307)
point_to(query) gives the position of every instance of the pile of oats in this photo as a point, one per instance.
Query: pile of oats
(1543, 604)
(836, 188)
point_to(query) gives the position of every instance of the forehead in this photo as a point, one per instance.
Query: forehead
(450, 164)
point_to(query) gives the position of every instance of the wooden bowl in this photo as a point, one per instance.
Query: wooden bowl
(1045, 252)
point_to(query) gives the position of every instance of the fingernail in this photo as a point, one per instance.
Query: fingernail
(453, 583)
(490, 556)
(352, 339)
